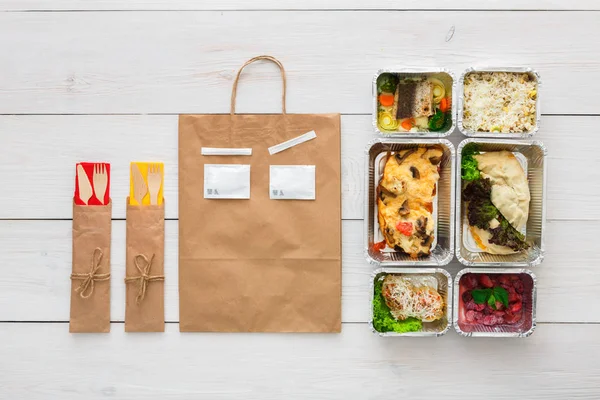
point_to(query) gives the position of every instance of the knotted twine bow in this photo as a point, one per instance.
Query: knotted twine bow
(144, 277)
(89, 278)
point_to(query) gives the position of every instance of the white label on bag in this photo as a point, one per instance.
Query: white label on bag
(222, 151)
(292, 182)
(292, 142)
(226, 181)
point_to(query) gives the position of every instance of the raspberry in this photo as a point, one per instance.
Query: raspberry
(486, 281)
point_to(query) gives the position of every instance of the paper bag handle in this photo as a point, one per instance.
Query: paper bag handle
(237, 78)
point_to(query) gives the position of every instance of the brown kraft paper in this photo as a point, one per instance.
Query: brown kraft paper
(260, 265)
(90, 277)
(144, 300)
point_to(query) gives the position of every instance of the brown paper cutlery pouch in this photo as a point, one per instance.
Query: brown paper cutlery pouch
(145, 269)
(90, 277)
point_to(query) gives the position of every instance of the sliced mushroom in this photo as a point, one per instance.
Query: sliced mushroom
(401, 158)
(404, 210)
(427, 240)
(421, 225)
(433, 154)
(389, 238)
(435, 160)
(415, 172)
(383, 193)
(399, 249)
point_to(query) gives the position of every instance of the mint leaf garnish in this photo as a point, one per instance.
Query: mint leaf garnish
(490, 296)
(480, 296)
(492, 301)
(501, 295)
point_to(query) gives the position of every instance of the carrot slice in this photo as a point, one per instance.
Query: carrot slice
(445, 104)
(407, 124)
(386, 100)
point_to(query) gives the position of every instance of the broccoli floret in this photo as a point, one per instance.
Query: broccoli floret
(383, 321)
(469, 166)
(387, 83)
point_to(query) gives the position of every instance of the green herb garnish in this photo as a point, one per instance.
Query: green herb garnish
(490, 296)
(383, 321)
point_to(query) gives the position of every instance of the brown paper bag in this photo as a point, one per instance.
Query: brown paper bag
(260, 265)
(144, 301)
(90, 279)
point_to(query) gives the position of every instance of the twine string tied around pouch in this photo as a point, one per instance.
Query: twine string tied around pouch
(86, 288)
(143, 265)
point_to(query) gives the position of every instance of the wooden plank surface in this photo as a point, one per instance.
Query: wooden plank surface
(184, 62)
(36, 263)
(37, 169)
(558, 362)
(85, 81)
(293, 5)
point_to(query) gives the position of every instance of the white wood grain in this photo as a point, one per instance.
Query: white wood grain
(53, 5)
(44, 361)
(35, 264)
(171, 62)
(38, 156)
(184, 62)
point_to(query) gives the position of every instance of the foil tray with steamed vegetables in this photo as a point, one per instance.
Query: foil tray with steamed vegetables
(414, 103)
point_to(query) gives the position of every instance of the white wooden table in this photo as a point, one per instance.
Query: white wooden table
(105, 80)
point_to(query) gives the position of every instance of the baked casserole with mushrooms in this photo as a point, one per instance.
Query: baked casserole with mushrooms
(405, 198)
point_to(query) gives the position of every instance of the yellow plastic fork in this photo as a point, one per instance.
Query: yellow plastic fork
(154, 182)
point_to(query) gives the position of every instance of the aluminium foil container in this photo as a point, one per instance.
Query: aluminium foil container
(521, 329)
(440, 277)
(443, 247)
(534, 75)
(448, 79)
(532, 155)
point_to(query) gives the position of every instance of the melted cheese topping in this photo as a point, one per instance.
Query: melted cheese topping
(408, 300)
(405, 195)
(499, 102)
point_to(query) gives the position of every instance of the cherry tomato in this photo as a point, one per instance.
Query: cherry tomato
(405, 228)
(379, 246)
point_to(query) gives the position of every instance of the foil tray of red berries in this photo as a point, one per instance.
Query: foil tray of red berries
(495, 302)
